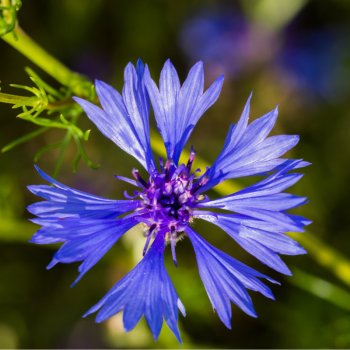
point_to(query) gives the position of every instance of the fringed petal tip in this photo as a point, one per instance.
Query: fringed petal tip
(52, 263)
(43, 175)
(263, 239)
(248, 150)
(131, 109)
(177, 108)
(157, 300)
(226, 280)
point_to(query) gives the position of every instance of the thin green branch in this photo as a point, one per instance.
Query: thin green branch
(17, 100)
(40, 82)
(45, 149)
(63, 149)
(77, 83)
(23, 139)
(82, 153)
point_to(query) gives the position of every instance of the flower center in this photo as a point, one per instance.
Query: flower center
(168, 199)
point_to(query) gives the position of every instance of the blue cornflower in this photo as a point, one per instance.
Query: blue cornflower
(172, 197)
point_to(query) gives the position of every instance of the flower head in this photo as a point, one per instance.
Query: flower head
(172, 196)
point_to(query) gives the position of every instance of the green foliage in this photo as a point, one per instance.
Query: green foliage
(45, 106)
(49, 108)
(8, 15)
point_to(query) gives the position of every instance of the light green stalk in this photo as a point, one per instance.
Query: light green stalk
(78, 84)
(321, 288)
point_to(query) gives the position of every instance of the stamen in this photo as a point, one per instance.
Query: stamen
(169, 198)
(126, 179)
(161, 164)
(178, 171)
(137, 176)
(191, 159)
(173, 244)
(127, 195)
(167, 167)
(173, 251)
(149, 236)
(199, 184)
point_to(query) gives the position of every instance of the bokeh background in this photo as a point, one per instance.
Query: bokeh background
(295, 53)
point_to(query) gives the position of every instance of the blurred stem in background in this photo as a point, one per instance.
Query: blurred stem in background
(272, 13)
(325, 256)
(46, 97)
(321, 288)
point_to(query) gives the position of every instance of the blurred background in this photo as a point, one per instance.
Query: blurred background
(292, 53)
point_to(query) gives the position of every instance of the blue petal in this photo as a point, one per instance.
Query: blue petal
(164, 102)
(236, 131)
(264, 201)
(204, 102)
(137, 104)
(145, 291)
(226, 279)
(124, 119)
(248, 151)
(264, 254)
(69, 228)
(86, 241)
(252, 236)
(90, 249)
(273, 202)
(87, 224)
(169, 88)
(178, 108)
(273, 184)
(283, 221)
(189, 95)
(63, 201)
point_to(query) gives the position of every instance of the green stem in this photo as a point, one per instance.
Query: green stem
(325, 256)
(33, 101)
(321, 288)
(24, 139)
(18, 100)
(78, 84)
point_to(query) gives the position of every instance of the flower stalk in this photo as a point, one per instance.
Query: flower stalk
(76, 83)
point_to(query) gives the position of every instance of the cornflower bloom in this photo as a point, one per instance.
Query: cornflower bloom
(172, 197)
